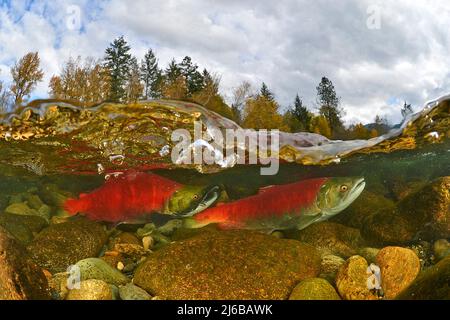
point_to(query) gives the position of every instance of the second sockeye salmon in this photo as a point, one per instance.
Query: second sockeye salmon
(295, 205)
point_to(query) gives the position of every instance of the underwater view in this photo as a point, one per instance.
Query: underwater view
(220, 158)
(93, 208)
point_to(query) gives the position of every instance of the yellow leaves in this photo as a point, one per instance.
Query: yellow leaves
(320, 125)
(262, 113)
(26, 74)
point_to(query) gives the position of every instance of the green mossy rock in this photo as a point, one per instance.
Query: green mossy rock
(95, 268)
(228, 265)
(22, 228)
(314, 289)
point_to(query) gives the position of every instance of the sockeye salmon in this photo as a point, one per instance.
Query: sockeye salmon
(295, 205)
(134, 194)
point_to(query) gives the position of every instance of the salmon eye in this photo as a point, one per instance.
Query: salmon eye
(344, 188)
(195, 197)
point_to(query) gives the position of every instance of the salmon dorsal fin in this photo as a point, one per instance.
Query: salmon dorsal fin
(264, 189)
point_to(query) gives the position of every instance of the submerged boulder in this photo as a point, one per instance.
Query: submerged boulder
(22, 228)
(332, 238)
(428, 210)
(61, 245)
(20, 277)
(91, 289)
(228, 265)
(314, 289)
(432, 284)
(399, 267)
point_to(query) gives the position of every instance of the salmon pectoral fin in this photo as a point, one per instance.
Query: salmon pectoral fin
(192, 223)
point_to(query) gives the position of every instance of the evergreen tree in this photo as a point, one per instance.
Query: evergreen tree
(117, 61)
(134, 84)
(266, 93)
(301, 113)
(150, 75)
(329, 104)
(172, 72)
(194, 78)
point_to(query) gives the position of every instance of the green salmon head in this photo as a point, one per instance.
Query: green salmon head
(338, 193)
(191, 200)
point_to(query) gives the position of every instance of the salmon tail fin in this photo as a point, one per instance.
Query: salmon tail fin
(74, 206)
(192, 223)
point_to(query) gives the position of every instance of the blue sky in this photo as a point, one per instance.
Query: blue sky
(377, 53)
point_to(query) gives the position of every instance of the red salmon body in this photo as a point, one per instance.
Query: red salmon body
(124, 197)
(271, 202)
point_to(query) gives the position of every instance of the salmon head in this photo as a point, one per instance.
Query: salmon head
(190, 200)
(337, 194)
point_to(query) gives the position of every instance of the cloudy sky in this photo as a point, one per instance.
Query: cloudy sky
(377, 53)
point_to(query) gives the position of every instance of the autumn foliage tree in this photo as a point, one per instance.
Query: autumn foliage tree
(262, 113)
(86, 83)
(26, 74)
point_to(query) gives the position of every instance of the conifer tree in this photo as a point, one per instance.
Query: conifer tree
(117, 61)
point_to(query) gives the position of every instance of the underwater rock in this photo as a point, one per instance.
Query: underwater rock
(124, 237)
(351, 280)
(332, 238)
(95, 268)
(402, 189)
(366, 205)
(424, 250)
(441, 249)
(58, 285)
(330, 266)
(370, 254)
(399, 267)
(132, 292)
(22, 228)
(21, 209)
(228, 265)
(387, 228)
(428, 210)
(20, 277)
(432, 284)
(52, 195)
(61, 245)
(91, 289)
(314, 289)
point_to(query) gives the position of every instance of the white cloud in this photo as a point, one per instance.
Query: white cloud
(290, 45)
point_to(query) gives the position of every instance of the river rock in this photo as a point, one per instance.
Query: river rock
(91, 289)
(132, 292)
(441, 249)
(370, 254)
(366, 205)
(351, 280)
(332, 238)
(428, 210)
(95, 268)
(314, 289)
(61, 245)
(432, 284)
(330, 267)
(21, 209)
(20, 277)
(228, 265)
(22, 228)
(399, 267)
(387, 228)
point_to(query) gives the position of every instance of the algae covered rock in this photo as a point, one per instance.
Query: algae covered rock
(366, 205)
(314, 289)
(61, 245)
(22, 228)
(330, 267)
(333, 238)
(95, 268)
(228, 265)
(432, 284)
(351, 280)
(91, 290)
(132, 292)
(399, 267)
(441, 249)
(428, 210)
(20, 277)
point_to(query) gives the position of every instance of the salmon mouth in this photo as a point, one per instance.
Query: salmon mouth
(209, 198)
